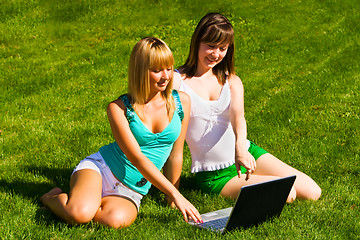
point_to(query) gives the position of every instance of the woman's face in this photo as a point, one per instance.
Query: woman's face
(211, 54)
(160, 78)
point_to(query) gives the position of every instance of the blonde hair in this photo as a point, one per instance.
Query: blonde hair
(149, 53)
(213, 28)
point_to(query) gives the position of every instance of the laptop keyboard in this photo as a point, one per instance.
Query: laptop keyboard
(216, 224)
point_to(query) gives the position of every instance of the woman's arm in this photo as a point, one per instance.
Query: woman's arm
(173, 166)
(176, 80)
(238, 122)
(128, 144)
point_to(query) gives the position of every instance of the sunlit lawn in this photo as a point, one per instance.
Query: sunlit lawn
(62, 62)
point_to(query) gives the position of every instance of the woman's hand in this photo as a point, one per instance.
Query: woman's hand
(170, 202)
(186, 208)
(245, 159)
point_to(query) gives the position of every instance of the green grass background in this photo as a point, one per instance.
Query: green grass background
(62, 62)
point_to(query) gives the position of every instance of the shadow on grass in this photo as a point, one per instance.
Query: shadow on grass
(60, 177)
(155, 205)
(31, 189)
(187, 184)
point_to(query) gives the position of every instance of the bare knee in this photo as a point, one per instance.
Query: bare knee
(120, 219)
(314, 193)
(116, 218)
(80, 214)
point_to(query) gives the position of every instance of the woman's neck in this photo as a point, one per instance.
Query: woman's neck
(154, 97)
(203, 72)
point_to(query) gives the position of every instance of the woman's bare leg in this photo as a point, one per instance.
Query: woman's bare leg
(116, 212)
(306, 187)
(268, 168)
(83, 201)
(233, 187)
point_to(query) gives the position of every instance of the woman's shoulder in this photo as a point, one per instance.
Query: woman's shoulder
(234, 81)
(184, 97)
(117, 111)
(181, 96)
(185, 104)
(233, 78)
(177, 78)
(118, 104)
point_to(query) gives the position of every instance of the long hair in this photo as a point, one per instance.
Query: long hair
(149, 52)
(213, 28)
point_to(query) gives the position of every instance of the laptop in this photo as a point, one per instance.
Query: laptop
(255, 204)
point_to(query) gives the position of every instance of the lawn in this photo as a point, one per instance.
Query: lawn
(62, 62)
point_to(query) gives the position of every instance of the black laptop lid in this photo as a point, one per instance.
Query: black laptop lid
(259, 202)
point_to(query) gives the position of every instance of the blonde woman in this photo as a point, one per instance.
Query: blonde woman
(223, 160)
(149, 125)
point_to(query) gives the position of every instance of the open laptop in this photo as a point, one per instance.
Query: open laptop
(255, 204)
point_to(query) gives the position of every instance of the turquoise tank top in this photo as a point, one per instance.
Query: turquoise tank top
(155, 146)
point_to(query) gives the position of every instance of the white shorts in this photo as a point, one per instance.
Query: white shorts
(110, 185)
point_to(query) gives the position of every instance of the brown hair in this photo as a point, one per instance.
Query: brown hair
(216, 29)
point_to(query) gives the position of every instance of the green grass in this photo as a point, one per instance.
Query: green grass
(62, 61)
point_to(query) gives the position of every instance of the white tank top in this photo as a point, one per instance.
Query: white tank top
(210, 136)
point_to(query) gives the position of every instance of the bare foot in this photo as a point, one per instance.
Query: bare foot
(50, 194)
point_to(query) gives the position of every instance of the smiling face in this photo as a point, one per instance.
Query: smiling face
(148, 60)
(211, 54)
(159, 78)
(213, 30)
